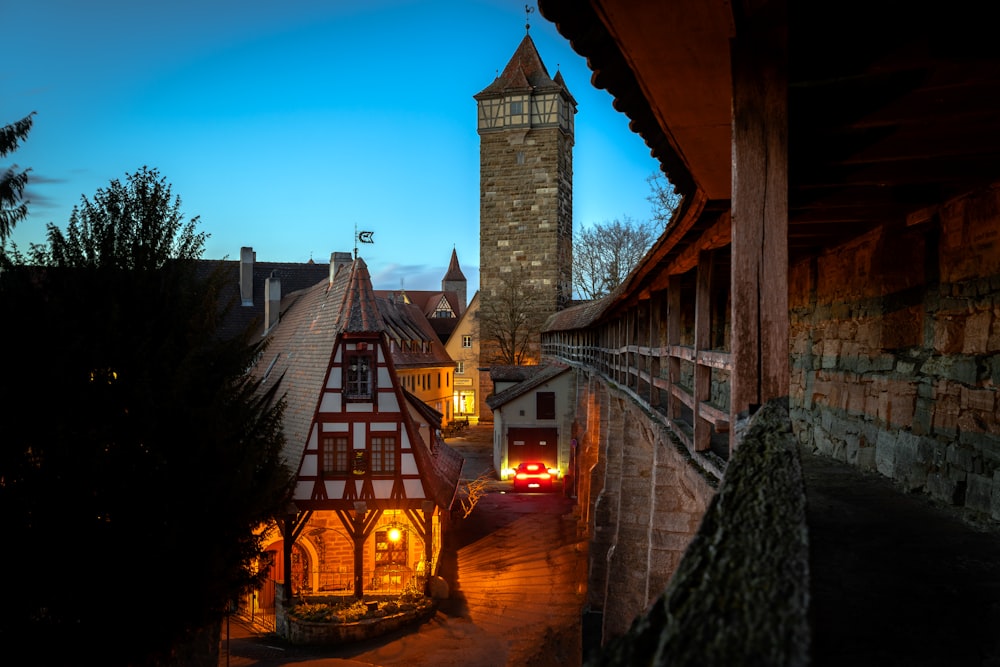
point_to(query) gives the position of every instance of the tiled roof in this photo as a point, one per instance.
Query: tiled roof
(540, 376)
(512, 373)
(578, 316)
(524, 72)
(427, 302)
(294, 276)
(299, 348)
(405, 322)
(441, 464)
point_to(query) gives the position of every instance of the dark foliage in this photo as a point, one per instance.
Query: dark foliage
(12, 181)
(137, 457)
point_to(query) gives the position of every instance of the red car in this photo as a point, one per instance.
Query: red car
(535, 475)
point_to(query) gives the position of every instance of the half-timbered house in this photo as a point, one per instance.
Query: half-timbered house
(374, 480)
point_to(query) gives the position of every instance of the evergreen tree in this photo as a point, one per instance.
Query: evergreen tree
(138, 457)
(12, 181)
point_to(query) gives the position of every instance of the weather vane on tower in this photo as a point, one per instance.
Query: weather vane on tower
(527, 19)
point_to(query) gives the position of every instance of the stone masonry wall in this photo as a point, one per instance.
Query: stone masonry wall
(646, 498)
(895, 351)
(736, 598)
(526, 214)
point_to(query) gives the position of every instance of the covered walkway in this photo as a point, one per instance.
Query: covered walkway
(895, 578)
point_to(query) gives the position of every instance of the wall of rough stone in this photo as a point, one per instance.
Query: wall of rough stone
(736, 599)
(643, 498)
(895, 351)
(526, 213)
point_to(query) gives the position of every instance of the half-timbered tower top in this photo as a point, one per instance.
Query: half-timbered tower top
(525, 72)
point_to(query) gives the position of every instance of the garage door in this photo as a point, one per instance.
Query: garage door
(532, 444)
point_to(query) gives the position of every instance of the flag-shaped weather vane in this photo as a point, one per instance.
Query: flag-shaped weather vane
(363, 237)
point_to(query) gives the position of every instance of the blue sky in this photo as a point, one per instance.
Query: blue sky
(286, 125)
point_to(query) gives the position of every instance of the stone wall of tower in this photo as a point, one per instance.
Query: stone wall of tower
(526, 212)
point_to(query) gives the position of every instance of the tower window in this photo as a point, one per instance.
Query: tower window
(520, 157)
(466, 341)
(516, 108)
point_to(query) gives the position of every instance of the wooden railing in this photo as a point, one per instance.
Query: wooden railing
(686, 387)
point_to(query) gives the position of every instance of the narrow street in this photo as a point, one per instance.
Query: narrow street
(516, 569)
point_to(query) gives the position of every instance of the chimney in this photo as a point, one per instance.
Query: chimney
(337, 261)
(247, 257)
(272, 306)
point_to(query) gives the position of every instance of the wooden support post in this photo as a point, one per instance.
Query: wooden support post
(358, 536)
(286, 554)
(702, 336)
(673, 339)
(759, 207)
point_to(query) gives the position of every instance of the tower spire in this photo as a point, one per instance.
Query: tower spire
(527, 18)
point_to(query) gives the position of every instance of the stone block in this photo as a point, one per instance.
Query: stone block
(979, 493)
(940, 487)
(676, 522)
(977, 332)
(982, 400)
(866, 458)
(960, 457)
(885, 454)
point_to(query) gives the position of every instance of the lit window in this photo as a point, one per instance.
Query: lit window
(359, 377)
(466, 341)
(459, 367)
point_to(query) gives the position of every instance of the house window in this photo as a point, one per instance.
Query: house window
(383, 450)
(459, 367)
(545, 405)
(466, 341)
(358, 385)
(335, 459)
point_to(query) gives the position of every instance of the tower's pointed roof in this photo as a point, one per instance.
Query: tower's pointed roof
(454, 270)
(359, 312)
(524, 72)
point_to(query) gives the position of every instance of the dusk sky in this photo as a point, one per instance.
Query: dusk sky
(286, 125)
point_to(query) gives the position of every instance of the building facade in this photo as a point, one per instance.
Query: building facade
(375, 481)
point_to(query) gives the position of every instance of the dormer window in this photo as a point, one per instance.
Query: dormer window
(358, 376)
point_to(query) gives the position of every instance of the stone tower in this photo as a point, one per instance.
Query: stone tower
(526, 184)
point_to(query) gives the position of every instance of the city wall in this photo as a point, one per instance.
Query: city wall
(895, 353)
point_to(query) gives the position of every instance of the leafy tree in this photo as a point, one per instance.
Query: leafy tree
(664, 198)
(139, 457)
(12, 182)
(604, 254)
(136, 225)
(510, 320)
